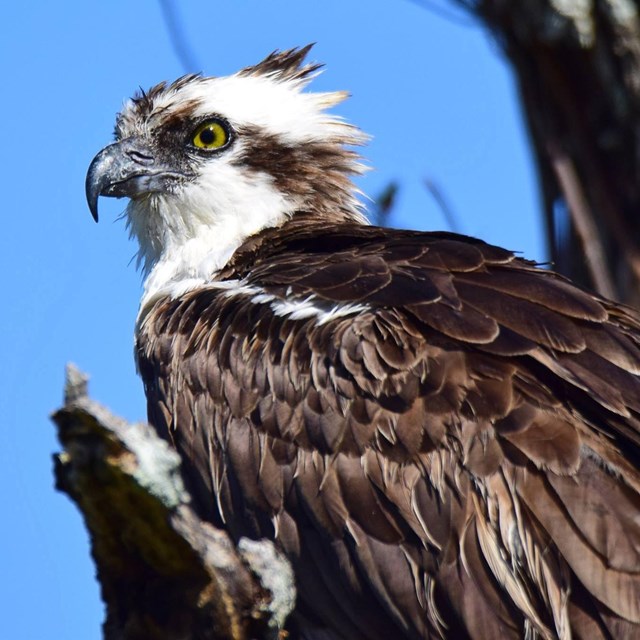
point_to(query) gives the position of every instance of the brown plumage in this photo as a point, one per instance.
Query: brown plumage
(459, 460)
(443, 438)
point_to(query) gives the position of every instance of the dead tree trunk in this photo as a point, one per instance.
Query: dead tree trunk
(578, 70)
(164, 573)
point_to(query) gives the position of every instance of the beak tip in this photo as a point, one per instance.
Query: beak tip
(93, 207)
(94, 185)
(92, 200)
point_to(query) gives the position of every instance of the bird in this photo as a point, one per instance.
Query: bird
(441, 436)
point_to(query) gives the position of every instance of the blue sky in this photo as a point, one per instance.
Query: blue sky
(435, 95)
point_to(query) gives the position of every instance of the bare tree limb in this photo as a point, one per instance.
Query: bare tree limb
(583, 221)
(447, 211)
(177, 36)
(165, 573)
(577, 66)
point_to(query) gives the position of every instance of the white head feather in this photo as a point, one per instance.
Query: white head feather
(186, 235)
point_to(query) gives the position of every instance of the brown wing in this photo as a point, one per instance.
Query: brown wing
(443, 438)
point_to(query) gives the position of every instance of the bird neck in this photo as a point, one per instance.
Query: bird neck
(184, 248)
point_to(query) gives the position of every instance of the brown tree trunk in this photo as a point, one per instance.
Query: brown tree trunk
(578, 70)
(164, 573)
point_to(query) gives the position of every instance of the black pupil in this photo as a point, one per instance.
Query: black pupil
(207, 136)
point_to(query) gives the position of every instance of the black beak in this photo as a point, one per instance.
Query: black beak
(124, 169)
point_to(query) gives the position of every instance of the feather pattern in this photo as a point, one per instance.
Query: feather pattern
(452, 454)
(443, 438)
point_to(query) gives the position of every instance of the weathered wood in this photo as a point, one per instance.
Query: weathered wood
(577, 66)
(165, 574)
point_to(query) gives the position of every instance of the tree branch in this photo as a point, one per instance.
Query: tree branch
(165, 573)
(577, 66)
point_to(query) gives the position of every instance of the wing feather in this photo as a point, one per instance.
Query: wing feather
(455, 457)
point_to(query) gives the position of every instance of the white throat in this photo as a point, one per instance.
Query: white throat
(187, 237)
(189, 232)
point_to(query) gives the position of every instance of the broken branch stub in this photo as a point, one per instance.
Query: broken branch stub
(164, 572)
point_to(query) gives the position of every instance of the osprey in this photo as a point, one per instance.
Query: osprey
(443, 438)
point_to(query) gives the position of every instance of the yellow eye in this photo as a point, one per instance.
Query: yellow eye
(212, 134)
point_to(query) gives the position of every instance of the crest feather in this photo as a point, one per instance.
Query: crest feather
(285, 66)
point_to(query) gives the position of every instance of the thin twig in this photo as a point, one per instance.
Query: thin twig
(449, 15)
(178, 39)
(436, 193)
(583, 221)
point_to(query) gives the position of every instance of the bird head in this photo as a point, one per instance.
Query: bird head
(209, 161)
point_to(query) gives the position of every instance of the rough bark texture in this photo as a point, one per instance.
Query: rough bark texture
(578, 69)
(164, 573)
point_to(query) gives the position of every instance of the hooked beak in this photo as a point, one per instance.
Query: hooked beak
(126, 169)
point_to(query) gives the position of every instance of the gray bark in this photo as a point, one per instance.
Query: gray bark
(164, 573)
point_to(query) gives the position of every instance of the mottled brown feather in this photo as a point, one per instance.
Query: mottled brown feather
(456, 458)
